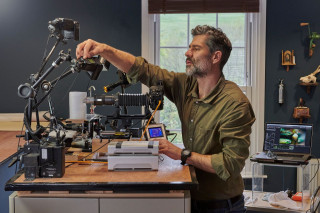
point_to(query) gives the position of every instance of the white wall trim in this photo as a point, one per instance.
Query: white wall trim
(258, 77)
(148, 37)
(258, 48)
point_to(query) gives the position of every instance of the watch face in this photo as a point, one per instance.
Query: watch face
(186, 152)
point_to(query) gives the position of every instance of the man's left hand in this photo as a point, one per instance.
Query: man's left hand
(167, 148)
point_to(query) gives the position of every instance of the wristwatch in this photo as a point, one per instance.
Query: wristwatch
(185, 153)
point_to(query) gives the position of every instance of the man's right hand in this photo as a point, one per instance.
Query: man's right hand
(89, 48)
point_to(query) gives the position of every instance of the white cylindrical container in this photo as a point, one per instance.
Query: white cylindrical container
(77, 109)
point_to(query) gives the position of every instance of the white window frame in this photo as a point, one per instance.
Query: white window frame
(255, 64)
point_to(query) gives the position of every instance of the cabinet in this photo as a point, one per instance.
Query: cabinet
(158, 202)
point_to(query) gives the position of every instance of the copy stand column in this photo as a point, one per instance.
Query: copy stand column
(257, 180)
(303, 183)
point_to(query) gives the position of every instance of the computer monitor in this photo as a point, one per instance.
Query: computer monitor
(292, 138)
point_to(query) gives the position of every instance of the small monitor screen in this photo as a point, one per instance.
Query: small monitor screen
(295, 138)
(155, 132)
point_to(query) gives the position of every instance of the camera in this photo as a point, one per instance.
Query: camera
(93, 66)
(156, 95)
(64, 29)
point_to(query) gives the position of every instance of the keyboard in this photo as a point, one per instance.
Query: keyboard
(290, 155)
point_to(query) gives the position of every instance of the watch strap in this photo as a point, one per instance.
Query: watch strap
(184, 156)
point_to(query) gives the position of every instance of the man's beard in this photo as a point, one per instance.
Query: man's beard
(197, 70)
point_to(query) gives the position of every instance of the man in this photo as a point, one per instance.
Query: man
(216, 116)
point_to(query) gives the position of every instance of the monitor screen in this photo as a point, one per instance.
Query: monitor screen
(155, 132)
(295, 138)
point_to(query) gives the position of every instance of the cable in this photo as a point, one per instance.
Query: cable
(18, 147)
(87, 162)
(315, 174)
(68, 90)
(91, 153)
(49, 55)
(145, 129)
(28, 126)
(26, 121)
(48, 92)
(88, 84)
(44, 54)
(175, 135)
(48, 119)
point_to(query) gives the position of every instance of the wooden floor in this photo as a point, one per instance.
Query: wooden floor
(8, 139)
(9, 143)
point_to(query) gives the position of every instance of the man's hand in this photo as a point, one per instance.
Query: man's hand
(202, 162)
(89, 48)
(120, 59)
(167, 148)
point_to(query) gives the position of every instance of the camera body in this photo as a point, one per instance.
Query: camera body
(156, 95)
(64, 29)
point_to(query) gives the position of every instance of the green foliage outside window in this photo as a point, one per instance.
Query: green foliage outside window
(175, 37)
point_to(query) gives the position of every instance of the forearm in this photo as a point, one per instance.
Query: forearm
(200, 161)
(120, 59)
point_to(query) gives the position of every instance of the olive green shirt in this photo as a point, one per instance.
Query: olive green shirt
(218, 125)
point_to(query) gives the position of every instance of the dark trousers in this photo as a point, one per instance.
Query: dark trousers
(234, 205)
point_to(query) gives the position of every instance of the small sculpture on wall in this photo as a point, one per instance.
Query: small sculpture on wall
(310, 80)
(312, 36)
(288, 59)
(281, 92)
(301, 111)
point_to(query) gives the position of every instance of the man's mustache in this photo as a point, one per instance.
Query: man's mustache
(189, 59)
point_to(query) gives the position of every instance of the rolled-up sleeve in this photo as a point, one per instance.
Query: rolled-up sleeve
(235, 133)
(150, 75)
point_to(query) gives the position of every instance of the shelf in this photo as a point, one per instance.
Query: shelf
(309, 85)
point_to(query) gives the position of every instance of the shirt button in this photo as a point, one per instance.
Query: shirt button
(190, 139)
(191, 120)
(197, 102)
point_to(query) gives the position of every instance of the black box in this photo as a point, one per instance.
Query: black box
(52, 160)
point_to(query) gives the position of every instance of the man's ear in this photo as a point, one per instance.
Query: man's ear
(216, 57)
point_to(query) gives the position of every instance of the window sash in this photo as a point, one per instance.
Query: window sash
(202, 6)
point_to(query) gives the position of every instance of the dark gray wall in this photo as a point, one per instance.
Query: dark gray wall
(284, 33)
(23, 40)
(24, 35)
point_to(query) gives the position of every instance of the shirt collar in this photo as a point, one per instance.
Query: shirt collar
(210, 98)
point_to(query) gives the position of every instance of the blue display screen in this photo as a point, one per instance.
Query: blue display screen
(295, 138)
(155, 132)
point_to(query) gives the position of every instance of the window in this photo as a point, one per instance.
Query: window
(251, 46)
(175, 37)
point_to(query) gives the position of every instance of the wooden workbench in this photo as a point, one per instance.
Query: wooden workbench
(170, 176)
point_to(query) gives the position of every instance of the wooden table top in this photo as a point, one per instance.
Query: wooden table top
(170, 176)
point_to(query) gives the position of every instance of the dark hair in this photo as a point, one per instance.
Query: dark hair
(217, 40)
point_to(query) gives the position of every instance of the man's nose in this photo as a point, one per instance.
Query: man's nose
(188, 54)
